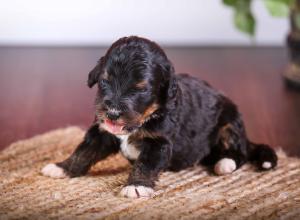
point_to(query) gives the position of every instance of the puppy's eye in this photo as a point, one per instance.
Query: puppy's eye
(142, 90)
(104, 83)
(104, 86)
(136, 91)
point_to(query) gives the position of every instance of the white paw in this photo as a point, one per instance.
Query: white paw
(225, 166)
(53, 171)
(136, 191)
(266, 165)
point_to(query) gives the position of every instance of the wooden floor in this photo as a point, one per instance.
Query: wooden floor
(45, 88)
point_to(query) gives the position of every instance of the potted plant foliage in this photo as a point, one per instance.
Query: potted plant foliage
(244, 20)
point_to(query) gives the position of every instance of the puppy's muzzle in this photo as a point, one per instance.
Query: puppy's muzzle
(114, 115)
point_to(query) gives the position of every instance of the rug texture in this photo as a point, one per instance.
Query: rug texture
(190, 194)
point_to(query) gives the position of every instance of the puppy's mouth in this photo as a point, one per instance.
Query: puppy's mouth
(125, 125)
(114, 127)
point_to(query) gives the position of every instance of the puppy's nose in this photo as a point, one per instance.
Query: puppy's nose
(113, 115)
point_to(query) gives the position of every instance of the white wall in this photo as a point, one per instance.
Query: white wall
(99, 22)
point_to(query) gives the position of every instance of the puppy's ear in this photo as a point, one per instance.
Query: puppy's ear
(172, 87)
(95, 73)
(170, 79)
(168, 82)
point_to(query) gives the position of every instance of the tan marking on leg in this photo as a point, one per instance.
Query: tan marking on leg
(224, 135)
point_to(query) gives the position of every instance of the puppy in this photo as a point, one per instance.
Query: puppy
(159, 121)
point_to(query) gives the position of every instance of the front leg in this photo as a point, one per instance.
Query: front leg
(154, 158)
(96, 146)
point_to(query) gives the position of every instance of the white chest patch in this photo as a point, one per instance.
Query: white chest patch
(128, 150)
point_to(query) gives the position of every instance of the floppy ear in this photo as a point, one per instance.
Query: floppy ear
(95, 73)
(172, 87)
(169, 78)
(168, 84)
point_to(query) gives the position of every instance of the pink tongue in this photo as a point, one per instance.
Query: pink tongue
(113, 127)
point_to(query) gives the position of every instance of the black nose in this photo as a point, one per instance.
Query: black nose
(113, 115)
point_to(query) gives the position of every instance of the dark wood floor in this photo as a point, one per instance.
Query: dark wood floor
(45, 88)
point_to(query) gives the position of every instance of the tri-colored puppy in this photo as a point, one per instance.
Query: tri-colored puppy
(159, 120)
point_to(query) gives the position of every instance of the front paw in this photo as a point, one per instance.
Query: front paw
(54, 171)
(132, 191)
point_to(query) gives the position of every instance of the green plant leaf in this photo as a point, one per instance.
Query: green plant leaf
(245, 22)
(243, 17)
(278, 8)
(243, 5)
(289, 3)
(230, 2)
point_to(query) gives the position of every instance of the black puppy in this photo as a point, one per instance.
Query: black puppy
(159, 120)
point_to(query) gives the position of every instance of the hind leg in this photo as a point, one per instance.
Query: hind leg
(263, 156)
(231, 149)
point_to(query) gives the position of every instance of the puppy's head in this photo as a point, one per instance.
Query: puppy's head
(135, 80)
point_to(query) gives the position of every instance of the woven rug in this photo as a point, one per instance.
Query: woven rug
(190, 194)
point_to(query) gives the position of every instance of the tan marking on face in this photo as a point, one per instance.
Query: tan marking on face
(105, 75)
(149, 111)
(141, 84)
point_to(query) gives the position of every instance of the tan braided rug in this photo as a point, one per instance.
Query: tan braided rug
(189, 194)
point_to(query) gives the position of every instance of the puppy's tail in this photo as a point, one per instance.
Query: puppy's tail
(263, 155)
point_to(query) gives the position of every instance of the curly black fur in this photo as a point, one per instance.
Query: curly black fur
(173, 120)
